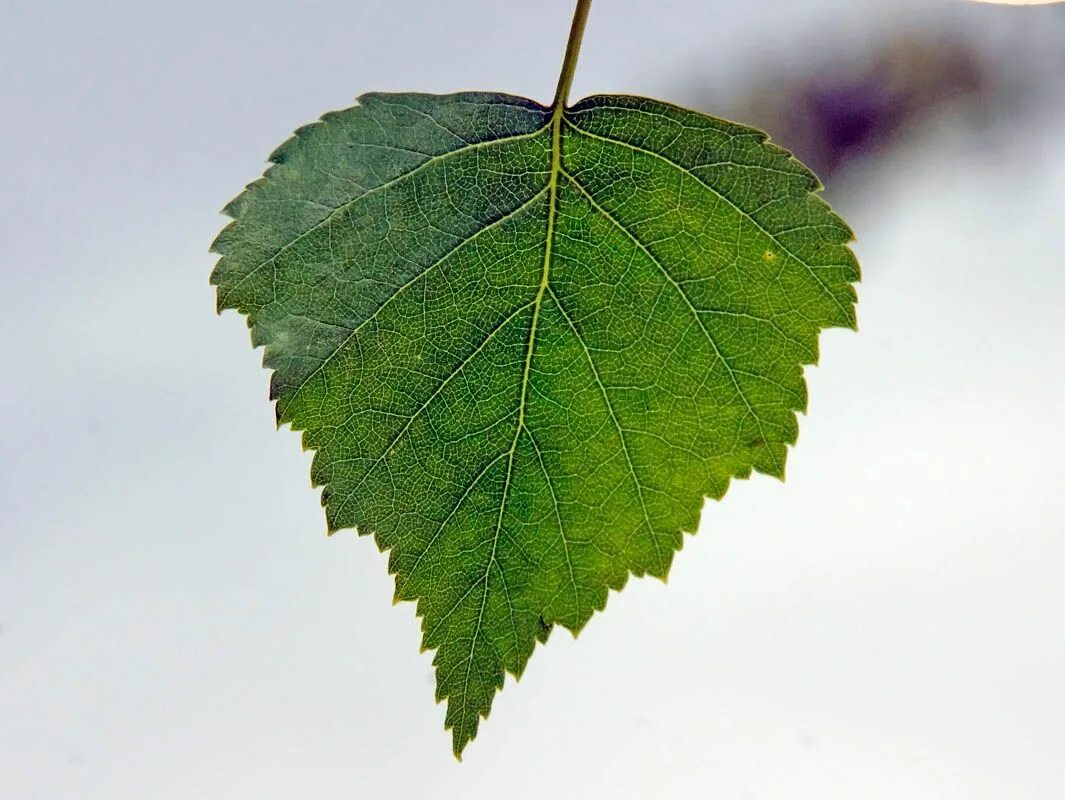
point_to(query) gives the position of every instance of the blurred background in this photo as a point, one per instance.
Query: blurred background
(886, 624)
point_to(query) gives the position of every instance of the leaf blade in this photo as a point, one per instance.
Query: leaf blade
(525, 343)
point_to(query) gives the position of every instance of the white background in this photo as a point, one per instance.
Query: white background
(175, 624)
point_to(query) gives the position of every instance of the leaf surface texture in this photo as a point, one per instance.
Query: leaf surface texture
(525, 344)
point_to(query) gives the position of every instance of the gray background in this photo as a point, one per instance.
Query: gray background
(173, 621)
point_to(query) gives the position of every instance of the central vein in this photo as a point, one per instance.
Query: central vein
(552, 211)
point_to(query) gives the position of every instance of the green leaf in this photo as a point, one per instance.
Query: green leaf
(526, 342)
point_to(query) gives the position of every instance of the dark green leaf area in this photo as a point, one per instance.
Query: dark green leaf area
(526, 343)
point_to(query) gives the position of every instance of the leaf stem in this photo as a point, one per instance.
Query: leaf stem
(573, 49)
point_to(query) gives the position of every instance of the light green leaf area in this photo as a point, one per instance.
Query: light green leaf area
(526, 342)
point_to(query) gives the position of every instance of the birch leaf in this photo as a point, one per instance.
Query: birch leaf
(526, 342)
